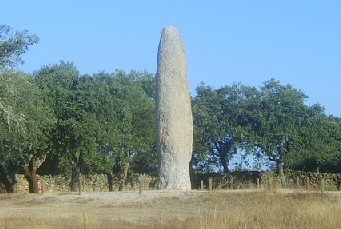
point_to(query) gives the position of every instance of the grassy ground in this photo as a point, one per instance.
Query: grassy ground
(159, 209)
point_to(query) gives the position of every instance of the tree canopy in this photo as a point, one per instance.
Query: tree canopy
(12, 45)
(272, 121)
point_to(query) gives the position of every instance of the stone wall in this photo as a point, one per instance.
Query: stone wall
(99, 182)
(293, 179)
(234, 180)
(90, 183)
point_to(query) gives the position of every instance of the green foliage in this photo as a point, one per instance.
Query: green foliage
(25, 121)
(271, 121)
(292, 133)
(280, 115)
(321, 141)
(131, 131)
(221, 122)
(12, 45)
(105, 122)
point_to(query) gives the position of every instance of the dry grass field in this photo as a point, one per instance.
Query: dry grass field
(162, 209)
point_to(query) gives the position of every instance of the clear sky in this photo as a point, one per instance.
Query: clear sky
(296, 42)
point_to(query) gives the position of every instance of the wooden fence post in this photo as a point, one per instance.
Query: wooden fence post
(297, 182)
(275, 183)
(79, 185)
(307, 183)
(210, 184)
(140, 183)
(282, 182)
(251, 185)
(202, 185)
(270, 183)
(84, 182)
(42, 186)
(258, 184)
(322, 185)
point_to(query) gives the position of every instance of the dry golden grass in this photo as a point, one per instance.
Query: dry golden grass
(225, 209)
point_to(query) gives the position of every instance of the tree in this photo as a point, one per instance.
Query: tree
(105, 108)
(25, 123)
(103, 121)
(320, 137)
(278, 118)
(125, 113)
(221, 122)
(12, 45)
(272, 121)
(136, 123)
(60, 85)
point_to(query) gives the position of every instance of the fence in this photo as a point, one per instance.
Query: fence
(303, 180)
(235, 180)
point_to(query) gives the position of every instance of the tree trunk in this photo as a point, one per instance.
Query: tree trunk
(226, 168)
(31, 177)
(34, 180)
(31, 173)
(224, 162)
(8, 180)
(110, 181)
(75, 180)
(281, 172)
(124, 177)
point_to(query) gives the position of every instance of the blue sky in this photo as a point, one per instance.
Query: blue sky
(296, 42)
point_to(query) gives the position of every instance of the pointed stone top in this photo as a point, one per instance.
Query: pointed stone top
(170, 30)
(171, 42)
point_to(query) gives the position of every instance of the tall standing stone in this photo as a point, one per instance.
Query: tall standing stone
(174, 113)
